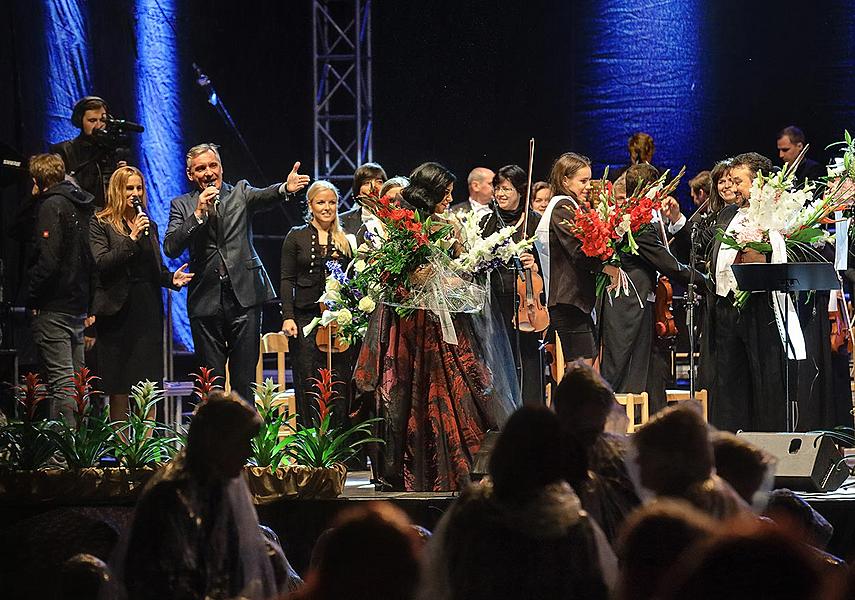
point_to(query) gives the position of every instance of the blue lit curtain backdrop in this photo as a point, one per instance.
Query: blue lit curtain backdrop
(639, 68)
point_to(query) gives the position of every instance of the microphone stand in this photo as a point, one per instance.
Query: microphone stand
(691, 302)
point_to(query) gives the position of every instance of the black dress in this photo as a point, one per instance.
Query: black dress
(302, 282)
(130, 332)
(503, 289)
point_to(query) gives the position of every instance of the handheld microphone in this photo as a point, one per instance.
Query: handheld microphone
(217, 197)
(137, 204)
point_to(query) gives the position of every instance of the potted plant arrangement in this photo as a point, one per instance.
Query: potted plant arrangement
(318, 450)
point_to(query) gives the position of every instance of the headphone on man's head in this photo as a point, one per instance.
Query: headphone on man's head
(81, 106)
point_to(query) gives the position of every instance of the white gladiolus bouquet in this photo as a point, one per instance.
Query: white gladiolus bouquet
(483, 254)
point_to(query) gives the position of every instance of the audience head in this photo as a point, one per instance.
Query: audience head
(220, 435)
(480, 182)
(47, 170)
(794, 514)
(744, 169)
(509, 187)
(639, 176)
(541, 195)
(791, 141)
(571, 176)
(89, 114)
(747, 468)
(393, 186)
(204, 166)
(84, 577)
(721, 186)
(525, 459)
(674, 451)
(754, 561)
(368, 178)
(430, 188)
(583, 401)
(652, 541)
(699, 186)
(372, 551)
(641, 148)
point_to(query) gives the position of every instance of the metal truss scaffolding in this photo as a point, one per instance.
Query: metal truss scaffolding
(343, 106)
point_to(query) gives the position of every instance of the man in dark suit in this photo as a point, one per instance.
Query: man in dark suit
(214, 222)
(791, 141)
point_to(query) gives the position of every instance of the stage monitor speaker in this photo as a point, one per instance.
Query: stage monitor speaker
(481, 463)
(809, 462)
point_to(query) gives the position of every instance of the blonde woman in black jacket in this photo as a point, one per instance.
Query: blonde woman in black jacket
(127, 302)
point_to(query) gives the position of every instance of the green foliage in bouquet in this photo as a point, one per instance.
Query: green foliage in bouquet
(322, 445)
(140, 440)
(86, 441)
(269, 446)
(28, 444)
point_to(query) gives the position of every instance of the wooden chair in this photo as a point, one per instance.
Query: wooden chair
(274, 342)
(683, 395)
(630, 402)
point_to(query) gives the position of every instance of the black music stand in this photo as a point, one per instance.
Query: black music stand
(786, 277)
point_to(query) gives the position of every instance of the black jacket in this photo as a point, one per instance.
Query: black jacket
(304, 271)
(61, 265)
(653, 256)
(351, 220)
(111, 253)
(89, 163)
(230, 238)
(572, 274)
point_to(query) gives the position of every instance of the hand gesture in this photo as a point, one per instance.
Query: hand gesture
(528, 262)
(615, 275)
(671, 209)
(296, 182)
(205, 201)
(181, 278)
(289, 327)
(139, 225)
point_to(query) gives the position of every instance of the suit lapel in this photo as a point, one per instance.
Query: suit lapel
(725, 216)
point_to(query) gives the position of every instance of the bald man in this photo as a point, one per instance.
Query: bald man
(480, 182)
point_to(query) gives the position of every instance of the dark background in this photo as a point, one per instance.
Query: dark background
(468, 83)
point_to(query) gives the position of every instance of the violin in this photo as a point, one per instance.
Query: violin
(532, 314)
(665, 325)
(841, 327)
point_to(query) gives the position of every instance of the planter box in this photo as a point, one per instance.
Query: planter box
(295, 482)
(62, 486)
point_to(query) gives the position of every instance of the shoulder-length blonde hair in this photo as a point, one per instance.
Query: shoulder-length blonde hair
(337, 233)
(115, 206)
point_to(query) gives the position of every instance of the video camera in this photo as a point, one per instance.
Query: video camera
(114, 137)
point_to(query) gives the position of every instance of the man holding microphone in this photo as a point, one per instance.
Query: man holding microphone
(214, 222)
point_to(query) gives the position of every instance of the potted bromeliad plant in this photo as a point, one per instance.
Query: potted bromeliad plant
(28, 443)
(317, 450)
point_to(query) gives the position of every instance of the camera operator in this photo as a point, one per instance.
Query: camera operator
(101, 147)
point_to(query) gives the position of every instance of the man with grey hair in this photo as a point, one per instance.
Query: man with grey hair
(214, 222)
(480, 183)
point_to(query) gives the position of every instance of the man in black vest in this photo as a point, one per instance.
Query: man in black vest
(224, 299)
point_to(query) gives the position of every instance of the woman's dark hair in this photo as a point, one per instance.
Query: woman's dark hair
(527, 456)
(718, 171)
(428, 183)
(366, 172)
(516, 176)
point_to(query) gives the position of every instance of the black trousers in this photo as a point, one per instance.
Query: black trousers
(746, 367)
(232, 334)
(530, 354)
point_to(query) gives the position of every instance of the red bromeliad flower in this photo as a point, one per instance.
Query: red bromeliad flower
(81, 392)
(205, 383)
(30, 393)
(325, 394)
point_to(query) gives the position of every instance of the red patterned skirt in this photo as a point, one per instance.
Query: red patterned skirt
(434, 397)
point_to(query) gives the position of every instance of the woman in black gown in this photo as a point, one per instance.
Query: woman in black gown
(305, 253)
(127, 304)
(510, 185)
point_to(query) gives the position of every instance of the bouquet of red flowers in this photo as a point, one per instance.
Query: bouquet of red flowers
(607, 224)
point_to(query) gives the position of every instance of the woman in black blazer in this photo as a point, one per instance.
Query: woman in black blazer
(127, 303)
(305, 253)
